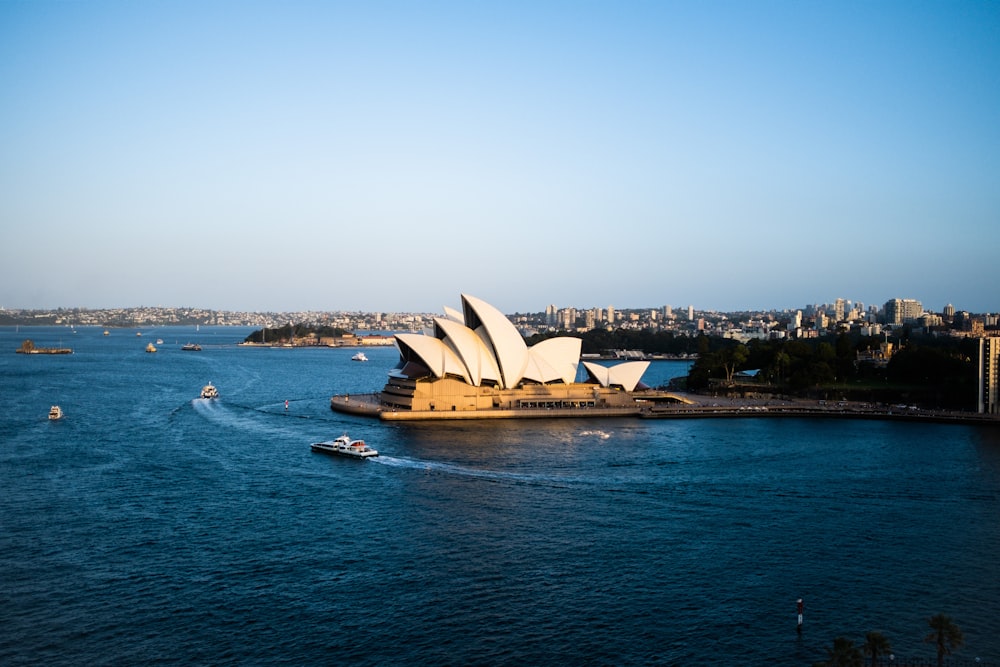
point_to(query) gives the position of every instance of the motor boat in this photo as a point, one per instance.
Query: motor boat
(344, 446)
(209, 391)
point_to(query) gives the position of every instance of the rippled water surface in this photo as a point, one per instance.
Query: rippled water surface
(150, 525)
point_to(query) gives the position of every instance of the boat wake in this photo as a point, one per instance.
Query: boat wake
(603, 435)
(436, 467)
(219, 413)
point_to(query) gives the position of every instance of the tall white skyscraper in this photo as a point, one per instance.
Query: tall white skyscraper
(989, 375)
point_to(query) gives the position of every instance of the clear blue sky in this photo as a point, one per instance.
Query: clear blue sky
(390, 156)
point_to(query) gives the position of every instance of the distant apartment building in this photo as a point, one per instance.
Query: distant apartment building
(989, 375)
(901, 311)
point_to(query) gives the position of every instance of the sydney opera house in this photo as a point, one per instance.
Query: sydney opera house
(475, 364)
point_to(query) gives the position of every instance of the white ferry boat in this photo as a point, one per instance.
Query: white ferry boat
(360, 356)
(209, 391)
(344, 446)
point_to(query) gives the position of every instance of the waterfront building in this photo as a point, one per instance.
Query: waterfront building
(475, 364)
(989, 375)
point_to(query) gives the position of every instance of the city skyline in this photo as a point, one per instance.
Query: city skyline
(270, 157)
(842, 309)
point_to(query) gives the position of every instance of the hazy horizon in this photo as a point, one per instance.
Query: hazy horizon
(678, 309)
(360, 157)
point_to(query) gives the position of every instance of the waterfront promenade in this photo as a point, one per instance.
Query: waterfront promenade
(697, 407)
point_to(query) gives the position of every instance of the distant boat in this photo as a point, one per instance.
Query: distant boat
(191, 347)
(138, 333)
(55, 412)
(107, 333)
(150, 348)
(159, 341)
(360, 356)
(344, 446)
(209, 391)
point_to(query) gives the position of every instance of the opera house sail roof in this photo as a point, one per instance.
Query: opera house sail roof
(482, 347)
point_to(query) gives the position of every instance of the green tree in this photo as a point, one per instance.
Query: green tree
(782, 362)
(875, 645)
(732, 359)
(843, 654)
(945, 635)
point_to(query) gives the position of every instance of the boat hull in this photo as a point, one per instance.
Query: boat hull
(339, 450)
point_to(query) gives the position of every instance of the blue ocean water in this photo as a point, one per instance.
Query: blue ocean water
(153, 526)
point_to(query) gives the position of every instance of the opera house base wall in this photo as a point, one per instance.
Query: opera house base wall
(448, 399)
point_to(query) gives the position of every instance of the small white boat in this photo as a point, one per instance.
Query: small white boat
(150, 348)
(360, 356)
(209, 391)
(344, 446)
(55, 412)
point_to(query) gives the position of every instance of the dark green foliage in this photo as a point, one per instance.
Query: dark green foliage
(843, 654)
(289, 331)
(932, 373)
(945, 635)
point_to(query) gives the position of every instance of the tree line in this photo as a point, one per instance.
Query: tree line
(290, 331)
(928, 371)
(945, 635)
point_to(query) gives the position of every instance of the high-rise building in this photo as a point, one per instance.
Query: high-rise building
(839, 308)
(668, 312)
(690, 313)
(989, 375)
(949, 312)
(900, 311)
(611, 314)
(550, 315)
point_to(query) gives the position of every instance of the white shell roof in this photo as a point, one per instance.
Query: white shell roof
(554, 359)
(500, 336)
(469, 348)
(432, 352)
(626, 375)
(481, 345)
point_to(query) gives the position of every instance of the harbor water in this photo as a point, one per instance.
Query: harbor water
(151, 526)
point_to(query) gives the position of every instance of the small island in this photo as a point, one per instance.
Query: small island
(28, 347)
(307, 335)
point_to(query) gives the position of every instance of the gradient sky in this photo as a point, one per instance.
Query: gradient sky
(390, 156)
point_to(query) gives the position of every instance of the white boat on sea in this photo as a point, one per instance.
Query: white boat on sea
(360, 356)
(55, 412)
(209, 391)
(344, 446)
